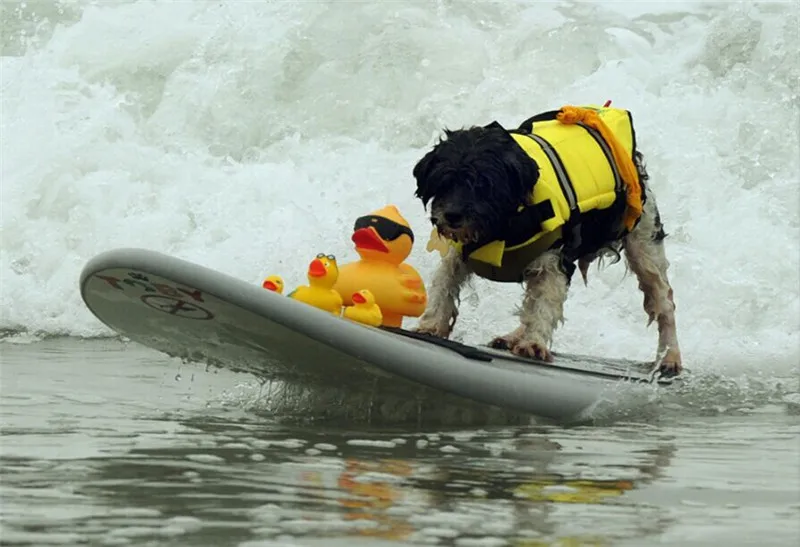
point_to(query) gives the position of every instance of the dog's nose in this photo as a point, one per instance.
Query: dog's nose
(453, 219)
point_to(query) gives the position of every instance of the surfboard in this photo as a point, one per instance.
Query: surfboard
(202, 315)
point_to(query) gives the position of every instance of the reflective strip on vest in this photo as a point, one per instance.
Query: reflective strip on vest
(601, 142)
(561, 172)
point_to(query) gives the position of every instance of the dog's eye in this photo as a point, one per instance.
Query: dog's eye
(453, 218)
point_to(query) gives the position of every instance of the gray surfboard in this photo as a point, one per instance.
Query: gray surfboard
(198, 314)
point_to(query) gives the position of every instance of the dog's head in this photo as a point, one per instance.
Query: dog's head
(474, 180)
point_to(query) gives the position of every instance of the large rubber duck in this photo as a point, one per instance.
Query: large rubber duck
(273, 283)
(383, 240)
(364, 309)
(322, 275)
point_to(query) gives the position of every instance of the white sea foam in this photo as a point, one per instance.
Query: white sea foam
(248, 137)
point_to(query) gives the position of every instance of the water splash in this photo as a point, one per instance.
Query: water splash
(248, 136)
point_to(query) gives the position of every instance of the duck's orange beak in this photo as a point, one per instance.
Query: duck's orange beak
(358, 298)
(270, 285)
(317, 268)
(368, 239)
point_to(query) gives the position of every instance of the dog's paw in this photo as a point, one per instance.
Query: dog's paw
(535, 350)
(501, 342)
(668, 370)
(438, 329)
(671, 364)
(506, 342)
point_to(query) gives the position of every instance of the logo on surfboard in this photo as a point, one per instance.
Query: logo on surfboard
(164, 297)
(176, 306)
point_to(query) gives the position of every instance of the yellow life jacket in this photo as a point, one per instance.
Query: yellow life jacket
(585, 159)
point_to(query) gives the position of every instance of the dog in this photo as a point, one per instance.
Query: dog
(479, 182)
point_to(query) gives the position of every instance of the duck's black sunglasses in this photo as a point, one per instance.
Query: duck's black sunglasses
(389, 230)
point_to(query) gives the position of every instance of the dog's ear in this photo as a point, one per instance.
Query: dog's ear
(522, 172)
(495, 125)
(426, 183)
(521, 169)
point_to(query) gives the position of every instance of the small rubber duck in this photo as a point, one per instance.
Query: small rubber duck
(364, 309)
(383, 240)
(322, 275)
(273, 283)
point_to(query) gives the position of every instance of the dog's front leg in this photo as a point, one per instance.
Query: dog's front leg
(542, 309)
(441, 312)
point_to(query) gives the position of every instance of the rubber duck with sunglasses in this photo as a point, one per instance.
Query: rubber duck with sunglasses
(383, 239)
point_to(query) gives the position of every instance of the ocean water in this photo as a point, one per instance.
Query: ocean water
(248, 136)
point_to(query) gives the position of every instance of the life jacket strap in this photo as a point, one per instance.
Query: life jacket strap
(525, 224)
(526, 127)
(528, 222)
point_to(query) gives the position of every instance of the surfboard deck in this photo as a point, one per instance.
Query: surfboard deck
(202, 315)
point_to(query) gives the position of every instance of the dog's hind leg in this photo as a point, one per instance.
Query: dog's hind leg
(441, 312)
(645, 255)
(546, 287)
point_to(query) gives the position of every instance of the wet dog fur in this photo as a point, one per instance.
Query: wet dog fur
(474, 179)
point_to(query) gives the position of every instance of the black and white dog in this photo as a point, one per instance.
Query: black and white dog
(475, 179)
